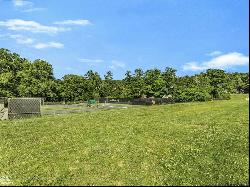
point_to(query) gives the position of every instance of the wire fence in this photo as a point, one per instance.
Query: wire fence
(152, 101)
(24, 107)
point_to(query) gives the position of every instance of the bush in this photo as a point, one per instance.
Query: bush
(193, 94)
(223, 96)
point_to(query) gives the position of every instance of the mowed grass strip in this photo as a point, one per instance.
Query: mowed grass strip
(182, 144)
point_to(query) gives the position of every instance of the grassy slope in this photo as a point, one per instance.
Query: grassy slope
(181, 144)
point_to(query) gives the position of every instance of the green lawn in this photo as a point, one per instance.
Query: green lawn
(181, 144)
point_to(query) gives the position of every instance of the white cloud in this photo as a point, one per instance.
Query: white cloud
(30, 42)
(193, 66)
(114, 64)
(117, 64)
(215, 53)
(220, 62)
(33, 9)
(48, 45)
(22, 3)
(22, 39)
(32, 26)
(91, 62)
(86, 60)
(73, 22)
(25, 6)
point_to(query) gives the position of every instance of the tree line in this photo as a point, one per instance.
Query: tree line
(21, 78)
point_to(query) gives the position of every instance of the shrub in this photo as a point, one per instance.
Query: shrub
(222, 96)
(193, 94)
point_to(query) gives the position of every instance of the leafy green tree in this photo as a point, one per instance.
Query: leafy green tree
(117, 91)
(94, 81)
(107, 85)
(138, 84)
(127, 89)
(10, 65)
(169, 77)
(155, 84)
(193, 88)
(73, 88)
(219, 82)
(37, 80)
(239, 82)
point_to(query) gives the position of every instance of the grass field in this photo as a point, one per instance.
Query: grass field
(182, 144)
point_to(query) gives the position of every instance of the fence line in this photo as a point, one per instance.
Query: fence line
(24, 107)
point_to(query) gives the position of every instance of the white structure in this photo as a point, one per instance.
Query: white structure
(3, 112)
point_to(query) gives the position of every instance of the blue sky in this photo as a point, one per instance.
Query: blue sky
(119, 35)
